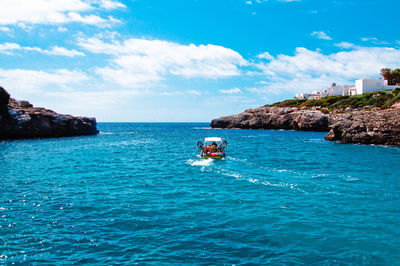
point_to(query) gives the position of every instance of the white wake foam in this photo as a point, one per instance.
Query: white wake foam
(201, 162)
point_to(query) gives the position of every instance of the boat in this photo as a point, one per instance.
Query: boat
(207, 151)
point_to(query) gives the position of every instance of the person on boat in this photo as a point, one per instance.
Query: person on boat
(220, 149)
(213, 147)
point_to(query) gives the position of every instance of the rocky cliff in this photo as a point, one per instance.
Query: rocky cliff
(377, 126)
(275, 118)
(366, 127)
(19, 119)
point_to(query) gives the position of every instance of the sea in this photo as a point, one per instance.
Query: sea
(139, 194)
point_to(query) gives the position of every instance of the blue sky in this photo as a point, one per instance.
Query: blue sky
(192, 60)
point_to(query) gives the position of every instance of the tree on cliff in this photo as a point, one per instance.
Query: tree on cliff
(385, 73)
(392, 76)
(395, 76)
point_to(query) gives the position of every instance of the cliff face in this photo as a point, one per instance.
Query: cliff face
(19, 119)
(275, 118)
(367, 127)
(353, 126)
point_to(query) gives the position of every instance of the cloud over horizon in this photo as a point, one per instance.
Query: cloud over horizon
(138, 62)
(308, 70)
(9, 48)
(321, 35)
(19, 12)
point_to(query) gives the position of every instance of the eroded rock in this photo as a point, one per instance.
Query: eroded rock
(362, 125)
(275, 118)
(19, 119)
(367, 127)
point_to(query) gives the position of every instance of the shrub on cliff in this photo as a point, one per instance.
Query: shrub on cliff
(289, 103)
(380, 99)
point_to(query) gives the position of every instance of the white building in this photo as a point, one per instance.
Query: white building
(391, 87)
(335, 90)
(316, 95)
(362, 86)
(322, 93)
(369, 85)
(302, 96)
(349, 90)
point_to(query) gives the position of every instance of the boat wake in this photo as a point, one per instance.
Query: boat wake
(201, 162)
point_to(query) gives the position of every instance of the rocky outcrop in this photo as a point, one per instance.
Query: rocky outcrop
(276, 118)
(377, 126)
(19, 119)
(366, 127)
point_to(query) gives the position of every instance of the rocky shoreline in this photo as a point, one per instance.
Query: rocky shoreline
(364, 126)
(20, 120)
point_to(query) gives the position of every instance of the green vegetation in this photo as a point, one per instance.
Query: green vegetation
(392, 76)
(380, 99)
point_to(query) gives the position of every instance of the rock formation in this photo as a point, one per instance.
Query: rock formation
(366, 127)
(276, 118)
(19, 119)
(377, 126)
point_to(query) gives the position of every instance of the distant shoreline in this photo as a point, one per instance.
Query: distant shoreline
(373, 118)
(21, 120)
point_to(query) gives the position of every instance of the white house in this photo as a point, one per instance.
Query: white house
(362, 86)
(387, 86)
(322, 93)
(302, 96)
(369, 85)
(318, 94)
(349, 90)
(335, 90)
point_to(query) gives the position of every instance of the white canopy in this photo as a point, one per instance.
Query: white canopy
(216, 139)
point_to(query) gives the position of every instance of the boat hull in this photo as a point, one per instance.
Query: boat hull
(213, 156)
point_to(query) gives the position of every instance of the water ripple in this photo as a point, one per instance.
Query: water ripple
(140, 194)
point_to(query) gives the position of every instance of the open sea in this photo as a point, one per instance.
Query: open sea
(138, 193)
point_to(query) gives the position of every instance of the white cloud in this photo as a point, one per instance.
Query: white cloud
(367, 39)
(5, 29)
(265, 55)
(62, 29)
(63, 51)
(139, 62)
(54, 12)
(110, 4)
(8, 48)
(21, 81)
(308, 70)
(24, 26)
(194, 92)
(231, 91)
(345, 45)
(374, 40)
(321, 35)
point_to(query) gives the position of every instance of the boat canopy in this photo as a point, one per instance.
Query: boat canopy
(216, 139)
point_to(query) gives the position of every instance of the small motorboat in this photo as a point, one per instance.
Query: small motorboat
(212, 148)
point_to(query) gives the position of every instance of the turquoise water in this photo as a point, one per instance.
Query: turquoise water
(139, 194)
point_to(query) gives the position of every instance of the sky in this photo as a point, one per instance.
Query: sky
(188, 60)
